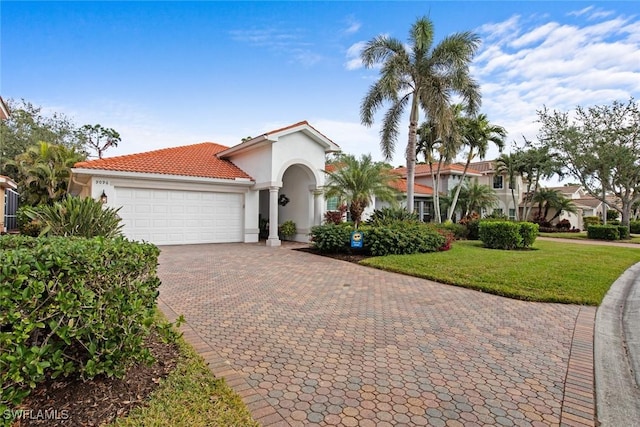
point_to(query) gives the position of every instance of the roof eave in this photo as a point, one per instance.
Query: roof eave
(247, 182)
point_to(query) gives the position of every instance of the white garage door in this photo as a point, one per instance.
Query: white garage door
(170, 217)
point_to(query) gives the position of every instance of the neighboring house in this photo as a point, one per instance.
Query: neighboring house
(209, 193)
(501, 185)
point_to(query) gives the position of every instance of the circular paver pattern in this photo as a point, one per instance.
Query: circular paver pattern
(385, 350)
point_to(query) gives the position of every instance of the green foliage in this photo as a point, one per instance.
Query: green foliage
(507, 234)
(74, 216)
(26, 225)
(590, 220)
(612, 214)
(624, 232)
(72, 306)
(458, 231)
(331, 238)
(634, 227)
(98, 138)
(603, 232)
(473, 229)
(403, 238)
(288, 229)
(496, 215)
(390, 215)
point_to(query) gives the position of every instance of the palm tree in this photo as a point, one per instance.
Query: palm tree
(356, 181)
(422, 75)
(476, 197)
(478, 132)
(43, 172)
(509, 164)
(563, 204)
(545, 198)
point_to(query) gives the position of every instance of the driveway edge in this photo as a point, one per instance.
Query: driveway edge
(261, 410)
(616, 352)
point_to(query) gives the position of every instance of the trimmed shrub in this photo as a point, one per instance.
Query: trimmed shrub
(331, 238)
(612, 214)
(458, 231)
(528, 232)
(590, 220)
(563, 225)
(603, 232)
(473, 229)
(634, 227)
(500, 234)
(624, 232)
(288, 229)
(403, 238)
(72, 306)
(388, 216)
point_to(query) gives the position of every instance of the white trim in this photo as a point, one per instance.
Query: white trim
(162, 177)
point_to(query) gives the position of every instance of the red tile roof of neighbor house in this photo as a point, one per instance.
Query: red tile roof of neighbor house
(483, 166)
(189, 160)
(453, 168)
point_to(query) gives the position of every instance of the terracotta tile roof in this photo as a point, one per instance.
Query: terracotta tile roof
(483, 166)
(401, 185)
(189, 160)
(453, 168)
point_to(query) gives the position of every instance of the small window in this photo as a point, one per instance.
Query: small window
(332, 204)
(512, 214)
(497, 182)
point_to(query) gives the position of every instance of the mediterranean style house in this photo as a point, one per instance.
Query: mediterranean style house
(210, 193)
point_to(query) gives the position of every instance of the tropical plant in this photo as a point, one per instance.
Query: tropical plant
(509, 165)
(390, 215)
(546, 198)
(475, 197)
(74, 216)
(422, 75)
(356, 181)
(561, 205)
(43, 172)
(536, 164)
(288, 229)
(478, 132)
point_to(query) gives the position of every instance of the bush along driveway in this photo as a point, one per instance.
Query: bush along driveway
(307, 340)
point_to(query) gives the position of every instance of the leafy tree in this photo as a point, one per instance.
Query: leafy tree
(42, 172)
(534, 165)
(98, 138)
(509, 164)
(477, 133)
(28, 126)
(423, 76)
(600, 147)
(356, 181)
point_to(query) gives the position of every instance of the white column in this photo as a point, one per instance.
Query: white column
(318, 201)
(273, 239)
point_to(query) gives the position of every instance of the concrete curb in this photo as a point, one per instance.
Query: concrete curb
(617, 352)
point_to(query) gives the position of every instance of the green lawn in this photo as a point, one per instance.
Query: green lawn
(635, 238)
(551, 271)
(190, 396)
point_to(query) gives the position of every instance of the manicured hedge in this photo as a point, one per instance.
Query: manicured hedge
(590, 220)
(72, 306)
(507, 234)
(603, 232)
(634, 227)
(625, 234)
(398, 237)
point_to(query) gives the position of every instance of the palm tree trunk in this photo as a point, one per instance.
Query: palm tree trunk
(411, 152)
(436, 193)
(454, 202)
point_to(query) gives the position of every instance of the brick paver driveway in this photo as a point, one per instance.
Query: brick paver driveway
(311, 340)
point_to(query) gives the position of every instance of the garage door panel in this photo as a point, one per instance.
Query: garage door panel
(181, 217)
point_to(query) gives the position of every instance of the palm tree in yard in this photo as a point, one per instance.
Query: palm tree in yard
(546, 198)
(356, 181)
(477, 133)
(561, 205)
(423, 77)
(476, 197)
(509, 164)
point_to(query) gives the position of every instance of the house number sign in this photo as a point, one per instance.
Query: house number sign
(102, 181)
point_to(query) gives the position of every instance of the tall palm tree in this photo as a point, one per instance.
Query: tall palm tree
(476, 197)
(356, 181)
(478, 132)
(509, 164)
(561, 205)
(546, 198)
(423, 76)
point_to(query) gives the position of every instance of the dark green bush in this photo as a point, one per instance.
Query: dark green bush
(529, 233)
(603, 232)
(590, 220)
(473, 229)
(403, 238)
(624, 232)
(72, 306)
(26, 225)
(500, 234)
(388, 216)
(331, 238)
(458, 231)
(634, 227)
(612, 214)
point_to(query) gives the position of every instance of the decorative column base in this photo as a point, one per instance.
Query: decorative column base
(273, 242)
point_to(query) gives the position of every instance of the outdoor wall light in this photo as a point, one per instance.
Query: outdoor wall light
(103, 197)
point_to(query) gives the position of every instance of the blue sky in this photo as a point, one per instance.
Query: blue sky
(175, 73)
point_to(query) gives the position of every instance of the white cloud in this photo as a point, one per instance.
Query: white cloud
(561, 66)
(353, 26)
(581, 11)
(353, 56)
